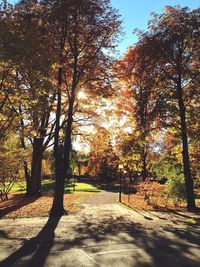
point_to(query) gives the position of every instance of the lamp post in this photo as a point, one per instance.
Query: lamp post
(120, 181)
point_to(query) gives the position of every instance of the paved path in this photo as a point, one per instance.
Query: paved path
(106, 235)
(101, 198)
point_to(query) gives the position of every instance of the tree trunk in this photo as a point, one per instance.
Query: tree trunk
(23, 144)
(26, 169)
(79, 169)
(144, 165)
(27, 176)
(67, 144)
(185, 153)
(62, 156)
(58, 207)
(62, 164)
(34, 186)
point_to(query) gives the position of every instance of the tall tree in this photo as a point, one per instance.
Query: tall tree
(83, 30)
(32, 78)
(172, 43)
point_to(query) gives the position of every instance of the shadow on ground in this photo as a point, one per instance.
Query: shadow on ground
(108, 187)
(38, 247)
(151, 247)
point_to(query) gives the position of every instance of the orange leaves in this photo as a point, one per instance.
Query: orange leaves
(34, 207)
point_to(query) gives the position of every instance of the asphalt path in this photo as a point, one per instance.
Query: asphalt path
(101, 234)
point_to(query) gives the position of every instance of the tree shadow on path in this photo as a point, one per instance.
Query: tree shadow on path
(148, 244)
(119, 234)
(37, 247)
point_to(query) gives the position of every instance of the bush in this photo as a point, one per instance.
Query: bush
(175, 187)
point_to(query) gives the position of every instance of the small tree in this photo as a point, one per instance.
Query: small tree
(11, 164)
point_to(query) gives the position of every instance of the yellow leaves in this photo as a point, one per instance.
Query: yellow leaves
(177, 153)
(2, 117)
(176, 150)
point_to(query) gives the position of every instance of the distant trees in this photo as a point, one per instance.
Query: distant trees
(175, 43)
(103, 160)
(8, 116)
(137, 78)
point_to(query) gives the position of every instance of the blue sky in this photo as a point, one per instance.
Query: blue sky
(136, 14)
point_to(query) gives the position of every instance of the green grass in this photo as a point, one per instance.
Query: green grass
(19, 187)
(48, 187)
(85, 187)
(191, 221)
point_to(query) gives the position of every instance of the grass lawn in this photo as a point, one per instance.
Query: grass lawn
(48, 187)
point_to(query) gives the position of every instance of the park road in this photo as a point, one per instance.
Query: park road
(102, 234)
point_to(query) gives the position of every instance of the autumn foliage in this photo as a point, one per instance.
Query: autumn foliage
(64, 92)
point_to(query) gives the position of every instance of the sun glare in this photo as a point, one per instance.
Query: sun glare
(82, 95)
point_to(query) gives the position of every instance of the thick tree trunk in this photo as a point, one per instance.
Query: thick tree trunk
(185, 153)
(58, 207)
(62, 165)
(33, 181)
(34, 185)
